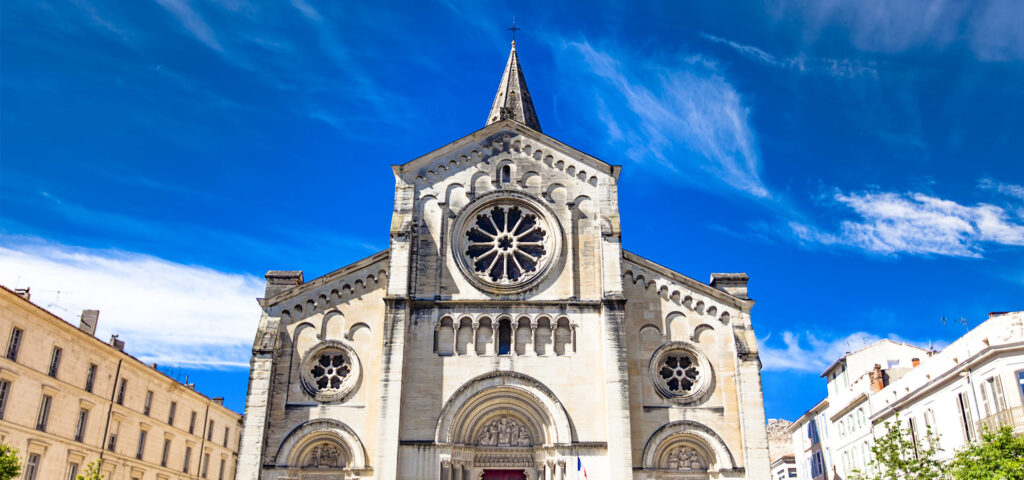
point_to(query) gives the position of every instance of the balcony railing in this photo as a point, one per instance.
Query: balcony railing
(1011, 417)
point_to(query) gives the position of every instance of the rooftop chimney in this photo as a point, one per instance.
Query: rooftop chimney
(281, 280)
(877, 380)
(734, 284)
(118, 344)
(88, 321)
(23, 293)
(218, 400)
(915, 361)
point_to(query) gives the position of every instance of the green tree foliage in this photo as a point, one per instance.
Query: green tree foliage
(898, 455)
(10, 464)
(998, 456)
(92, 471)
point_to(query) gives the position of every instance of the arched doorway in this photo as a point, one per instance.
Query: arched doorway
(503, 426)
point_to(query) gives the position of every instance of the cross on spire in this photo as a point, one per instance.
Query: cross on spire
(513, 29)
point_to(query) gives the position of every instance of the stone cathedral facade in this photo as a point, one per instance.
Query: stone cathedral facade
(504, 334)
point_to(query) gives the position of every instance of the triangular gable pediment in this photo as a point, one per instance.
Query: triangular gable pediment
(485, 143)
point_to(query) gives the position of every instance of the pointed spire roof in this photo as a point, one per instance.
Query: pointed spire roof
(513, 99)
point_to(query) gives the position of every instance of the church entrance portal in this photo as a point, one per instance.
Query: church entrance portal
(504, 475)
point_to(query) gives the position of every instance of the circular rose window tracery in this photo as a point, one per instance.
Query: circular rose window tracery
(329, 371)
(680, 372)
(505, 241)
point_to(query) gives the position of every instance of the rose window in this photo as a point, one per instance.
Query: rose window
(679, 372)
(505, 244)
(330, 370)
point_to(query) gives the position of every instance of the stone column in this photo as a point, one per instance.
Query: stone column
(533, 336)
(476, 327)
(258, 401)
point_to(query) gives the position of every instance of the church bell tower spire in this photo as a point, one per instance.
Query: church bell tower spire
(513, 99)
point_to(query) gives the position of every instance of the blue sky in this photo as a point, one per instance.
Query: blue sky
(860, 160)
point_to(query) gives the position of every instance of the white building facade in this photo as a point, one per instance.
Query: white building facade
(504, 334)
(974, 383)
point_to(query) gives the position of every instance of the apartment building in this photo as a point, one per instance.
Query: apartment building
(68, 399)
(976, 382)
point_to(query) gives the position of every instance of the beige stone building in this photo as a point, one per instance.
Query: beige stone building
(505, 334)
(68, 399)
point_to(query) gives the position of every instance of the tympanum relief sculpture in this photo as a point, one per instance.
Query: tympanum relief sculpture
(504, 432)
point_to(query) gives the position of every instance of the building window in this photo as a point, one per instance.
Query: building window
(170, 415)
(112, 443)
(226, 430)
(5, 393)
(72, 471)
(32, 466)
(209, 432)
(188, 456)
(121, 391)
(83, 419)
(167, 451)
(995, 386)
(142, 445)
(44, 413)
(966, 421)
(149, 402)
(90, 378)
(913, 435)
(54, 362)
(792, 473)
(506, 174)
(220, 470)
(504, 336)
(206, 464)
(14, 344)
(192, 423)
(1020, 382)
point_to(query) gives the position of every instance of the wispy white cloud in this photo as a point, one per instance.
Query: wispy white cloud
(891, 223)
(992, 29)
(833, 67)
(192, 21)
(166, 312)
(805, 352)
(1008, 189)
(681, 113)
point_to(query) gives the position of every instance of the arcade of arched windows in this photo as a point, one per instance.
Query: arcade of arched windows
(504, 335)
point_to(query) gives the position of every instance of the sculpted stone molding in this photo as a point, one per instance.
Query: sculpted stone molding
(693, 435)
(316, 432)
(506, 241)
(329, 371)
(510, 391)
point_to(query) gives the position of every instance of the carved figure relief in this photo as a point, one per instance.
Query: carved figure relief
(685, 458)
(504, 432)
(325, 455)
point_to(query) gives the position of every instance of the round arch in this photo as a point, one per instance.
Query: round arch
(298, 443)
(480, 402)
(688, 433)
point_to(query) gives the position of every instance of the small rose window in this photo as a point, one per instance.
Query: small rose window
(330, 371)
(680, 372)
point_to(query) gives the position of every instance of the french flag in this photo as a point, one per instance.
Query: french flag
(579, 468)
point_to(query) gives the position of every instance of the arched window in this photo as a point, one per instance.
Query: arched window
(506, 174)
(504, 337)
